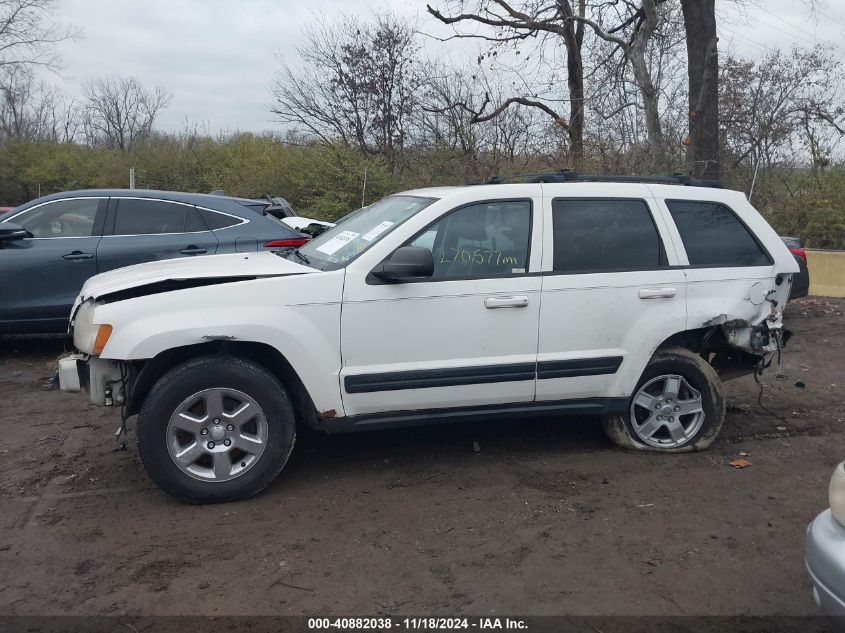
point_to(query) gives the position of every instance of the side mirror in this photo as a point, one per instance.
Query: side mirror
(10, 232)
(406, 264)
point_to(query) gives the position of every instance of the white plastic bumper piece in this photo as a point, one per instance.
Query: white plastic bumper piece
(69, 372)
(98, 376)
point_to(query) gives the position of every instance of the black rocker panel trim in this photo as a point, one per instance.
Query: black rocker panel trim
(423, 378)
(479, 375)
(578, 367)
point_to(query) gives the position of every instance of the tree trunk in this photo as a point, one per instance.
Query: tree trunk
(636, 52)
(654, 129)
(703, 74)
(573, 37)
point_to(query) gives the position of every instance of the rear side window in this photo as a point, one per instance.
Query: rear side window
(216, 221)
(714, 236)
(149, 217)
(604, 235)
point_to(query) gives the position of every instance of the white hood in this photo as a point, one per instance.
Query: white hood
(259, 264)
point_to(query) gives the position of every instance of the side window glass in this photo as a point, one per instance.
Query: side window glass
(605, 235)
(149, 217)
(484, 240)
(193, 223)
(63, 218)
(217, 220)
(714, 236)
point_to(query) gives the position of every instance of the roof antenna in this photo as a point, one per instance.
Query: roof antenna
(753, 180)
(364, 189)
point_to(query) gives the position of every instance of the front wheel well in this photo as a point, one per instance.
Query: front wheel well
(144, 374)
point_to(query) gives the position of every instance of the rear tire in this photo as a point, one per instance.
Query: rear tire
(677, 406)
(215, 429)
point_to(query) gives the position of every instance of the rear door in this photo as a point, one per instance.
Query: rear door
(141, 230)
(610, 293)
(43, 274)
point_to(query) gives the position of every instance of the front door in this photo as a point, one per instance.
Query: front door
(465, 337)
(43, 274)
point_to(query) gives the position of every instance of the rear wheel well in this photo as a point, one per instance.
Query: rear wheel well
(143, 375)
(710, 343)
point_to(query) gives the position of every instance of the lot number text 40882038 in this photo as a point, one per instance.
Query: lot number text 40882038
(417, 624)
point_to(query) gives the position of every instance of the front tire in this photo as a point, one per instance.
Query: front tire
(215, 429)
(677, 406)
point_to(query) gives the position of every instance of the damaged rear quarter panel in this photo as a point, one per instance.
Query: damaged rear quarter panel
(734, 297)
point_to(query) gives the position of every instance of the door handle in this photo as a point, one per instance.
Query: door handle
(193, 250)
(505, 302)
(77, 255)
(657, 293)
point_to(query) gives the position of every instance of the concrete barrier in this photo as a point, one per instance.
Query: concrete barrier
(827, 273)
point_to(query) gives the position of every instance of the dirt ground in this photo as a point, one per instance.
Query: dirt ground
(546, 518)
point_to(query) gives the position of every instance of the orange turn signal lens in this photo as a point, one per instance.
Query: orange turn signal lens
(103, 335)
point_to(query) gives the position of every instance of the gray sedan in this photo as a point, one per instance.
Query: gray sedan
(826, 551)
(50, 246)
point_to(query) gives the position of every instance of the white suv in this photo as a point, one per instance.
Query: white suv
(569, 295)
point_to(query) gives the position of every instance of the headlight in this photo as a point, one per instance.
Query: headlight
(89, 337)
(836, 494)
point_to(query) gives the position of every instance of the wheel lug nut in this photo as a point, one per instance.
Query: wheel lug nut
(658, 406)
(217, 420)
(227, 442)
(671, 419)
(659, 417)
(230, 427)
(669, 400)
(677, 408)
(210, 445)
(204, 432)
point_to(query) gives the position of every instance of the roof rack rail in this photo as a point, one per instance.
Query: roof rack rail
(570, 175)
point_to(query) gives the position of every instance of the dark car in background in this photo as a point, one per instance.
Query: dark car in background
(801, 281)
(51, 245)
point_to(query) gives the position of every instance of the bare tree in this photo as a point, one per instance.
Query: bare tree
(632, 32)
(784, 103)
(357, 83)
(28, 33)
(532, 20)
(119, 111)
(33, 110)
(617, 131)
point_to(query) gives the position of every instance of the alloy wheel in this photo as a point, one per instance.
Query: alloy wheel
(217, 434)
(666, 412)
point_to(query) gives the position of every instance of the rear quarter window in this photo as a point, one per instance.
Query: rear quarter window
(214, 220)
(713, 235)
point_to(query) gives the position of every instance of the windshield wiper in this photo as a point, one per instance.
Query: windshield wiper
(301, 257)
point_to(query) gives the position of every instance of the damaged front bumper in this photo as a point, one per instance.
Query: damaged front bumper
(101, 378)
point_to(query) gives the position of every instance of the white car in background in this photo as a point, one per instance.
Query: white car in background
(568, 295)
(284, 211)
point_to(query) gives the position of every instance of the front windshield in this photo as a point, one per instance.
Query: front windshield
(359, 231)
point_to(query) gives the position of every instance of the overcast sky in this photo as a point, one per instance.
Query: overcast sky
(218, 57)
